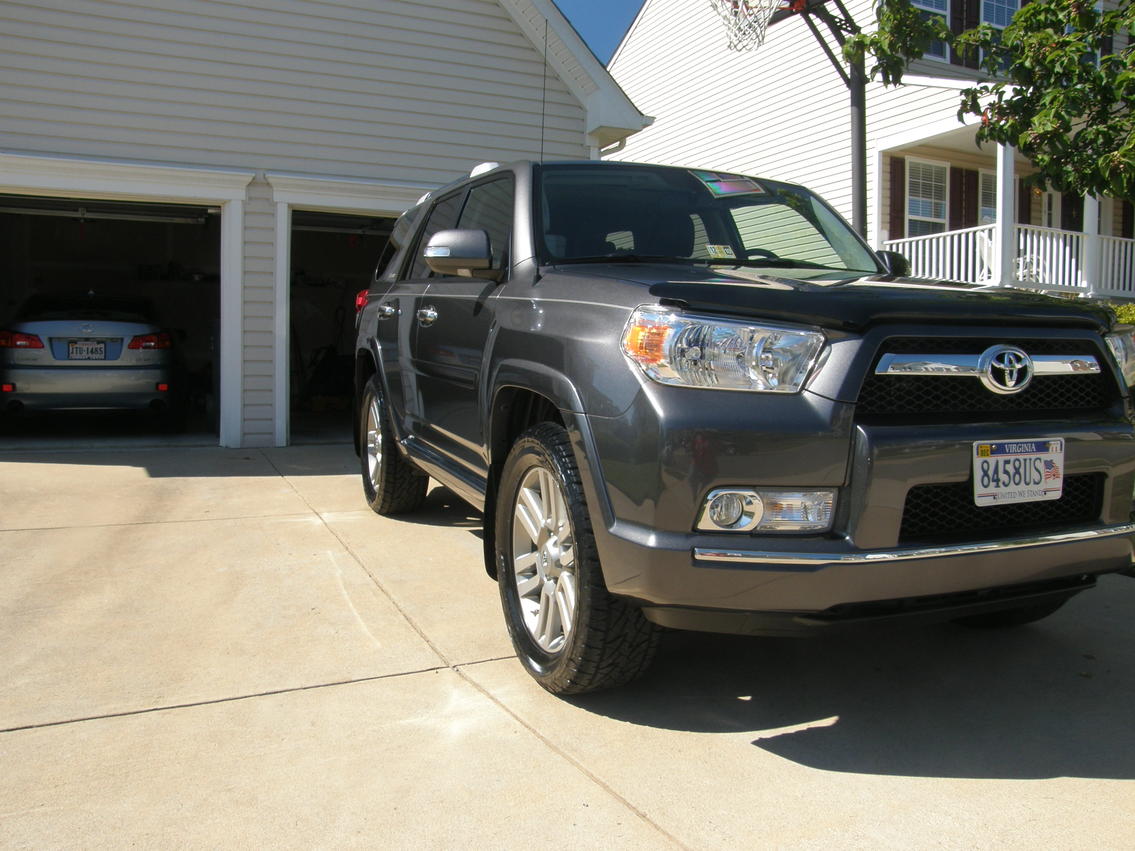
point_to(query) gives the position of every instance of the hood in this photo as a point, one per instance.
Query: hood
(855, 304)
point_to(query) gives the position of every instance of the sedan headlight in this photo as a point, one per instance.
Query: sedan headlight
(1122, 345)
(701, 351)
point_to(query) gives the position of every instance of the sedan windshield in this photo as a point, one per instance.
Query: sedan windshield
(624, 213)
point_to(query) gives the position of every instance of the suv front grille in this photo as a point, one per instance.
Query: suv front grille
(946, 513)
(959, 398)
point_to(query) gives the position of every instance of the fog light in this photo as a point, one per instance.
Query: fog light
(725, 509)
(730, 509)
(766, 510)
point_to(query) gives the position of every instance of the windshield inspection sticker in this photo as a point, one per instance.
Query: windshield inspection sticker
(720, 252)
(721, 184)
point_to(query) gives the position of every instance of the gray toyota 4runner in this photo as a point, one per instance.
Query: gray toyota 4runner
(691, 399)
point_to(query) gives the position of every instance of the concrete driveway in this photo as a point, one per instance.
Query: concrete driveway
(226, 648)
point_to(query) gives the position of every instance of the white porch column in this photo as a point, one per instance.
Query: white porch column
(1090, 268)
(1005, 242)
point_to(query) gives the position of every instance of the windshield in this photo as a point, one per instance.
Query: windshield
(615, 212)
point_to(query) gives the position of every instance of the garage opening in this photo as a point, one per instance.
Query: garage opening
(333, 257)
(154, 263)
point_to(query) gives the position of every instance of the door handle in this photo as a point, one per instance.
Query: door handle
(427, 315)
(387, 311)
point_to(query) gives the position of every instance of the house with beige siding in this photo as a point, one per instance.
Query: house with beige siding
(241, 163)
(956, 209)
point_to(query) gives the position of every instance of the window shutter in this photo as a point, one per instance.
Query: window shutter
(964, 15)
(1127, 220)
(1024, 203)
(1072, 213)
(897, 229)
(964, 198)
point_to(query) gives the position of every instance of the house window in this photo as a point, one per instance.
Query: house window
(987, 201)
(998, 14)
(941, 9)
(925, 198)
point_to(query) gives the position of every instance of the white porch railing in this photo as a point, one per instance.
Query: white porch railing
(956, 255)
(1047, 258)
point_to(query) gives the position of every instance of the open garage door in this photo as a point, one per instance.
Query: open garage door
(153, 270)
(333, 257)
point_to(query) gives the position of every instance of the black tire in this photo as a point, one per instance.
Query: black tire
(601, 641)
(391, 484)
(1018, 616)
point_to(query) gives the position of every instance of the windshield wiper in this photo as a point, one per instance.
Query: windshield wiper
(629, 258)
(785, 263)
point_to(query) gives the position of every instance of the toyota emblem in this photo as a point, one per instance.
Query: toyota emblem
(1005, 369)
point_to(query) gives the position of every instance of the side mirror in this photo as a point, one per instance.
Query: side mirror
(461, 252)
(894, 263)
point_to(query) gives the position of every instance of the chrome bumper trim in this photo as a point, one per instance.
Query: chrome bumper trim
(817, 560)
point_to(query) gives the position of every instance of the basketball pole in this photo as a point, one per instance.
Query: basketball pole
(854, 76)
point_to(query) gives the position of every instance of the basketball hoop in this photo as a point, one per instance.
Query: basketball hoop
(746, 21)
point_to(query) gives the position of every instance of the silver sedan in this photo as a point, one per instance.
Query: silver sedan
(85, 351)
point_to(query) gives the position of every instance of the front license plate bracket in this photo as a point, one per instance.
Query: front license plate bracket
(1009, 471)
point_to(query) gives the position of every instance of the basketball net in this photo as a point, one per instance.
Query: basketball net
(746, 21)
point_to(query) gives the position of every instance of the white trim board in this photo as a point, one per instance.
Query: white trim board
(328, 194)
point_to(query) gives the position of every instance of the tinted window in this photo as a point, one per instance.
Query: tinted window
(489, 208)
(442, 217)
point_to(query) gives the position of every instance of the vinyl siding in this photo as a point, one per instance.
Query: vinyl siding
(381, 89)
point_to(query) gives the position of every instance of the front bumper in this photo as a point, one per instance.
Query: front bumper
(728, 589)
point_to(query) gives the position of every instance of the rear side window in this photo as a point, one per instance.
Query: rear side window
(489, 208)
(442, 217)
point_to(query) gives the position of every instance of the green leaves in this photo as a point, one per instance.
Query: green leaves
(1049, 84)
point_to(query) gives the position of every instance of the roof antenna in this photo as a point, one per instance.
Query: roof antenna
(544, 91)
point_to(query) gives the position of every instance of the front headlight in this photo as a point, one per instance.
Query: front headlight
(1122, 345)
(702, 351)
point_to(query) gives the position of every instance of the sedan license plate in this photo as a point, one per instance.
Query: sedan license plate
(86, 350)
(1006, 471)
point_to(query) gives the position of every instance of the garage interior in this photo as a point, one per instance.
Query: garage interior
(333, 258)
(168, 254)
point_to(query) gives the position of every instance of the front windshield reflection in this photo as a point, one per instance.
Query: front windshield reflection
(624, 213)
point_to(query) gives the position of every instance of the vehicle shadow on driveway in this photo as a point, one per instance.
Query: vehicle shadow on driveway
(1049, 700)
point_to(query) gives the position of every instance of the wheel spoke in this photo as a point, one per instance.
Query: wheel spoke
(565, 601)
(547, 496)
(544, 617)
(529, 514)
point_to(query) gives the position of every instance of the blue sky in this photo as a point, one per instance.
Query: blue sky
(602, 23)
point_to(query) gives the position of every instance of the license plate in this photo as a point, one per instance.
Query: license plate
(1006, 471)
(86, 350)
